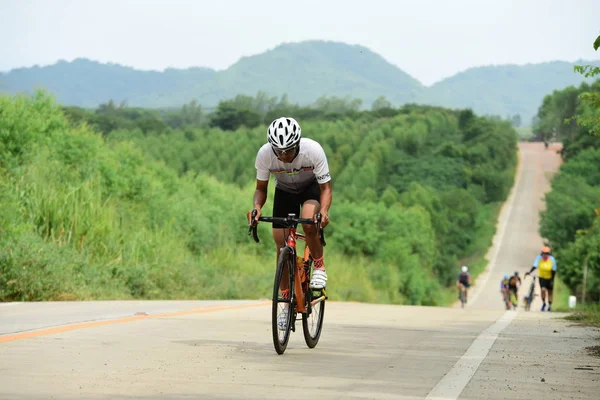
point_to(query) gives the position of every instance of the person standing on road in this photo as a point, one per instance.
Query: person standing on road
(546, 265)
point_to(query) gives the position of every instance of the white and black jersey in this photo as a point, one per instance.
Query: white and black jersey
(309, 165)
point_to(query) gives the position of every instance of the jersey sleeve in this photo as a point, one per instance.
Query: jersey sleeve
(262, 167)
(321, 170)
(536, 262)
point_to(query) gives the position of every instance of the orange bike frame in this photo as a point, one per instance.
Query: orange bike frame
(298, 279)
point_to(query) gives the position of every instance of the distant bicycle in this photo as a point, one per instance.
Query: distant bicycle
(530, 295)
(506, 297)
(463, 296)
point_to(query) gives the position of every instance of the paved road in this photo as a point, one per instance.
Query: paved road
(223, 350)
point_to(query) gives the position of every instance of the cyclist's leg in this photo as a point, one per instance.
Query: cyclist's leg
(543, 291)
(513, 297)
(550, 290)
(284, 203)
(310, 207)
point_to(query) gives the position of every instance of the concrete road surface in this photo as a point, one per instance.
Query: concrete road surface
(223, 349)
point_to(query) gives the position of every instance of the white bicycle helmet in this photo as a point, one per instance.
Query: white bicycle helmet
(284, 133)
(464, 268)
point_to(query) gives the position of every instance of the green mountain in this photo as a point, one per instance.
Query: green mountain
(504, 89)
(305, 71)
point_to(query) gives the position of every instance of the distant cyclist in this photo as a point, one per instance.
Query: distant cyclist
(504, 290)
(546, 265)
(513, 287)
(464, 279)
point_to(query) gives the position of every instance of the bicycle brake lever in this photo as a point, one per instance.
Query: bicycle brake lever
(253, 227)
(320, 230)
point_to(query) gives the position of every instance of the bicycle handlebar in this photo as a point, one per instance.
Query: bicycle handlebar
(290, 221)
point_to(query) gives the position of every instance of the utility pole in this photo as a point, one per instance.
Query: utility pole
(585, 267)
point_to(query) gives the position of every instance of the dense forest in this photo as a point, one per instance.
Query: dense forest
(121, 202)
(308, 70)
(571, 222)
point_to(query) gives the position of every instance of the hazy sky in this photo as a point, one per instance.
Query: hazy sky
(428, 39)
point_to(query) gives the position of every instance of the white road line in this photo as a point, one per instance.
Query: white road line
(454, 382)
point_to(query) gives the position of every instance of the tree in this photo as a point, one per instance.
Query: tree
(516, 120)
(380, 103)
(591, 119)
(229, 118)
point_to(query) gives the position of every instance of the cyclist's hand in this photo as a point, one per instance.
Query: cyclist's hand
(249, 215)
(324, 220)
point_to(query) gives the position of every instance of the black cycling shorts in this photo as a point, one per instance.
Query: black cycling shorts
(465, 284)
(286, 203)
(546, 283)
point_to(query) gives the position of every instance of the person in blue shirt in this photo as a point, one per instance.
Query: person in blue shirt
(546, 266)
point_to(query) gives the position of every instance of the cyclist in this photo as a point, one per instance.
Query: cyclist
(546, 264)
(513, 286)
(302, 180)
(504, 290)
(464, 279)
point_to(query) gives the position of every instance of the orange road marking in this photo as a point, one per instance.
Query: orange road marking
(83, 325)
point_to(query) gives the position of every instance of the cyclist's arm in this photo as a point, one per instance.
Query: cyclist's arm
(321, 171)
(326, 195)
(553, 268)
(260, 194)
(536, 262)
(262, 180)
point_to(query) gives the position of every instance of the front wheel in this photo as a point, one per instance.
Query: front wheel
(312, 319)
(283, 294)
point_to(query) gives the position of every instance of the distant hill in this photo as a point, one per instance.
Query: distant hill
(504, 89)
(305, 71)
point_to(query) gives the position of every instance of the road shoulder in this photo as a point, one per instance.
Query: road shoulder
(540, 355)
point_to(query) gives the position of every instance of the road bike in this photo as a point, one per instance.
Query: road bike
(463, 296)
(291, 292)
(506, 297)
(527, 300)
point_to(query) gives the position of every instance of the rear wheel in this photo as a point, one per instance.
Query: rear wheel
(282, 310)
(463, 297)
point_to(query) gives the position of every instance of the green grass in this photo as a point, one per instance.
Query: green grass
(561, 293)
(588, 315)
